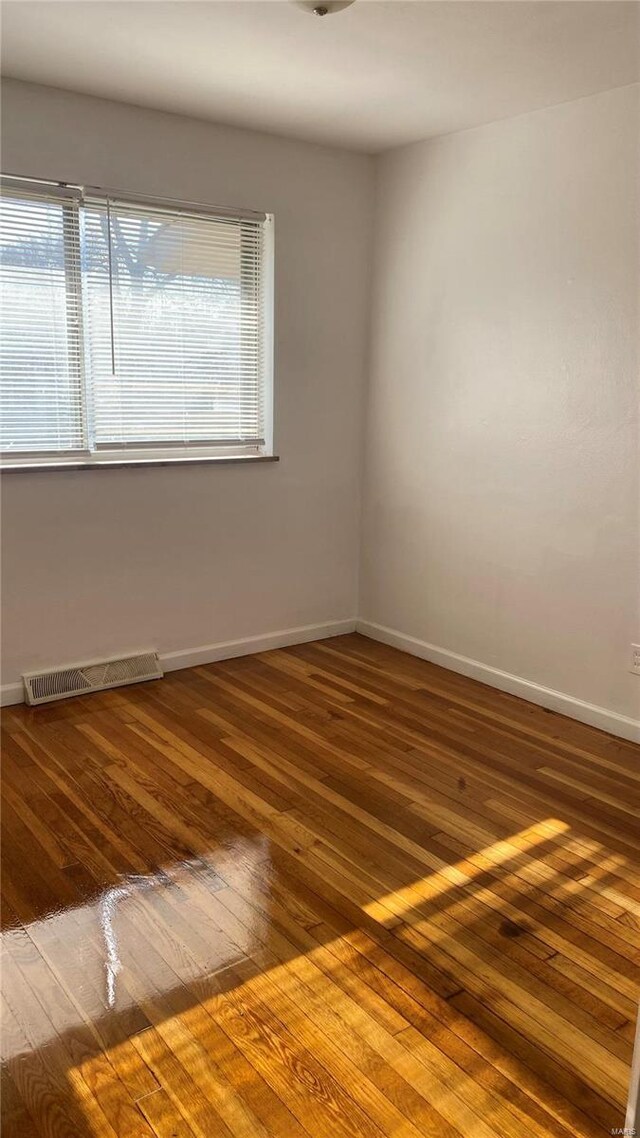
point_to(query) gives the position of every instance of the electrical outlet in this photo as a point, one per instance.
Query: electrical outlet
(635, 659)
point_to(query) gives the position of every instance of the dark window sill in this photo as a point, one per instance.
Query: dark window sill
(119, 463)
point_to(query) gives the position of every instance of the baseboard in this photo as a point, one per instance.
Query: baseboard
(589, 713)
(11, 693)
(209, 653)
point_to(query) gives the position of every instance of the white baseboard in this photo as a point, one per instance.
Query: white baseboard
(588, 713)
(209, 653)
(11, 693)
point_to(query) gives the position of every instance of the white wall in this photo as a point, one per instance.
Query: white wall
(501, 516)
(103, 561)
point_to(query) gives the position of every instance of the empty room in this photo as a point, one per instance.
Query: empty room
(320, 549)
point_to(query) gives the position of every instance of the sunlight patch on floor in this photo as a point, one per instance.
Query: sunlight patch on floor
(464, 872)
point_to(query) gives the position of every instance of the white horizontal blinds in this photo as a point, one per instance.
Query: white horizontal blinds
(174, 309)
(40, 324)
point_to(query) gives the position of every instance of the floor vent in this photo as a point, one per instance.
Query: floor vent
(59, 683)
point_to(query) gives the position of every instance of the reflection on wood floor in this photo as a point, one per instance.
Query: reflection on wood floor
(329, 891)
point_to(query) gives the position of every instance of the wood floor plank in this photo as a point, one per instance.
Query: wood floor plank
(16, 1118)
(328, 889)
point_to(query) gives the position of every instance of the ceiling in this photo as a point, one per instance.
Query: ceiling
(379, 74)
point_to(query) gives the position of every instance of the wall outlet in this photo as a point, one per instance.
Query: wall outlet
(635, 659)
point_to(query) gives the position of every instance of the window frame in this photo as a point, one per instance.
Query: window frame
(151, 453)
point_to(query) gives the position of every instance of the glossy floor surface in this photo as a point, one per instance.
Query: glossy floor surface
(330, 891)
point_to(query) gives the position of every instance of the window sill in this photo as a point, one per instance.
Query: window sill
(119, 463)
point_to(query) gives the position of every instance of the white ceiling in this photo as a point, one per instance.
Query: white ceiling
(379, 74)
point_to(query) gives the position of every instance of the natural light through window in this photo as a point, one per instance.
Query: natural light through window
(131, 328)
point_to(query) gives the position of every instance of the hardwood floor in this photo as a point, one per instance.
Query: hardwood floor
(330, 891)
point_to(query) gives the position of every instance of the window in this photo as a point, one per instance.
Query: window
(131, 329)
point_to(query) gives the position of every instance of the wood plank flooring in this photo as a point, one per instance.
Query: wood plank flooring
(329, 891)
